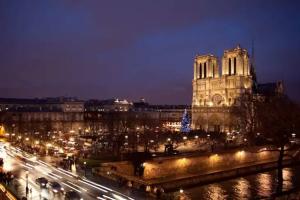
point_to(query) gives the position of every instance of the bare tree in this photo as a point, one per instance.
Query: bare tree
(245, 112)
(277, 119)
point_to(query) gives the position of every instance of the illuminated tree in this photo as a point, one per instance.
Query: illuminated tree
(185, 123)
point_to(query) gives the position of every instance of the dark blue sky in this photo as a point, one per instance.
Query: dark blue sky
(132, 49)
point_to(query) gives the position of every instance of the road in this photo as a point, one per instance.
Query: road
(20, 164)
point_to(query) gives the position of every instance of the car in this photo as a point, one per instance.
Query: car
(73, 195)
(42, 182)
(56, 187)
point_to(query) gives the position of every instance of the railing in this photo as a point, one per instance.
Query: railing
(5, 194)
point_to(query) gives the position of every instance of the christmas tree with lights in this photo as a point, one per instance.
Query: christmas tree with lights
(185, 123)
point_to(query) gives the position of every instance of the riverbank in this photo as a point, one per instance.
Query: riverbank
(174, 173)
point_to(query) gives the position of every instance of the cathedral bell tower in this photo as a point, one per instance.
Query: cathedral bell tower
(236, 62)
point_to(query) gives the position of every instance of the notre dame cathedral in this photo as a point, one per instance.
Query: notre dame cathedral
(215, 93)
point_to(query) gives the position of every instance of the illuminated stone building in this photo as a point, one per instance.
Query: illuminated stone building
(42, 116)
(216, 91)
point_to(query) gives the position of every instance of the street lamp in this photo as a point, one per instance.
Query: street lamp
(84, 168)
(27, 172)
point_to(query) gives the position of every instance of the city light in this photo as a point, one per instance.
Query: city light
(207, 125)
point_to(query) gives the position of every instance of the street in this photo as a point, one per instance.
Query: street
(28, 168)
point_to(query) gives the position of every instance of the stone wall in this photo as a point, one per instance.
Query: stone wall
(180, 167)
(176, 168)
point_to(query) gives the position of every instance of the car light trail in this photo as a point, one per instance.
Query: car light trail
(45, 173)
(93, 186)
(54, 175)
(108, 197)
(44, 163)
(71, 187)
(77, 186)
(111, 190)
(30, 165)
(91, 182)
(63, 173)
(118, 197)
(26, 166)
(70, 173)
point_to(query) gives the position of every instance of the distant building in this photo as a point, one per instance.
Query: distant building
(32, 116)
(215, 93)
(108, 105)
(154, 117)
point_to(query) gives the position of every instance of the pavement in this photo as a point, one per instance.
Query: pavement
(21, 164)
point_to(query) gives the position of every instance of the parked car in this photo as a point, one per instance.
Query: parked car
(56, 187)
(73, 195)
(42, 182)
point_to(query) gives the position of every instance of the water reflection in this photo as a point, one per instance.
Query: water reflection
(264, 184)
(287, 178)
(215, 192)
(242, 189)
(257, 186)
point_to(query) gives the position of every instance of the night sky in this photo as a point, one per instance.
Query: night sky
(132, 49)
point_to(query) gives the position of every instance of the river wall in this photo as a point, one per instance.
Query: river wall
(175, 172)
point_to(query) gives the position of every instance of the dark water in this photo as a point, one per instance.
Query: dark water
(258, 186)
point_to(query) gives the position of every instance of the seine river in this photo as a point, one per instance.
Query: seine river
(258, 186)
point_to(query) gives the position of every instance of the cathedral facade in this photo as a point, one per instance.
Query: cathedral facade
(217, 90)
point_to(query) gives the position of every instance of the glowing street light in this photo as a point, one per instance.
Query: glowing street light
(49, 145)
(196, 136)
(84, 168)
(27, 139)
(184, 137)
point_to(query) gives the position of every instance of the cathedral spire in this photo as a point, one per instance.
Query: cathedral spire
(253, 71)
